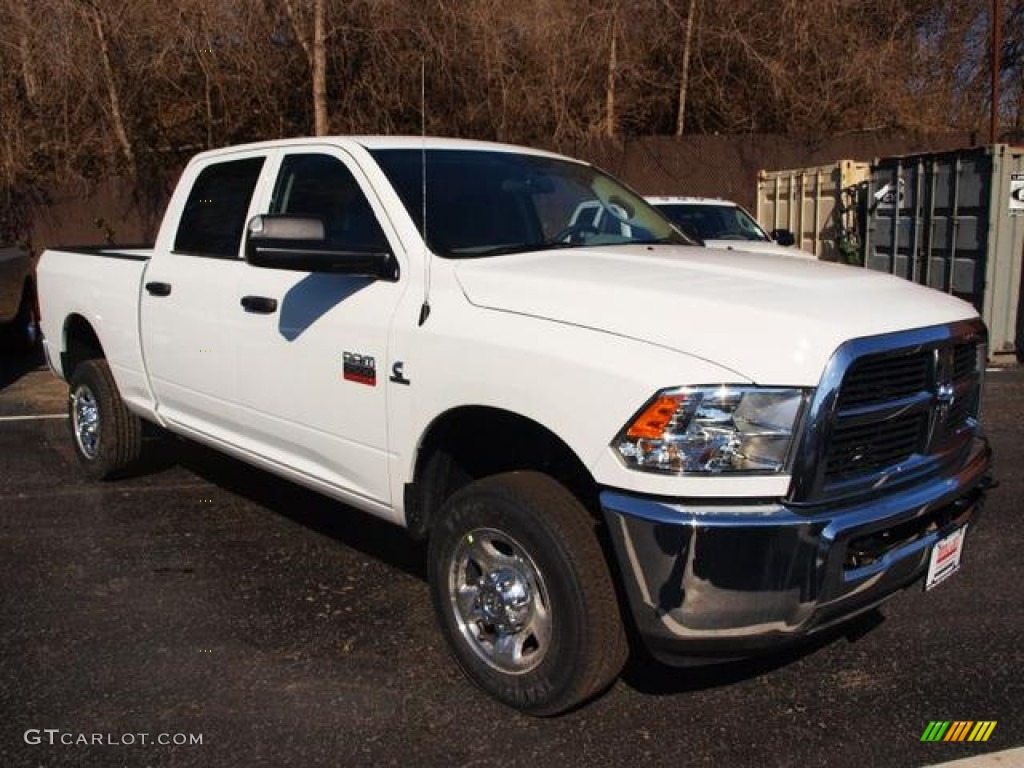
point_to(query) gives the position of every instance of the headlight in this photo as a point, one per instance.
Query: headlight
(713, 429)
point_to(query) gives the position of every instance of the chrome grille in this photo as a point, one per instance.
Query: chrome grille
(886, 403)
(862, 448)
(891, 409)
(965, 404)
(965, 359)
(877, 380)
(959, 412)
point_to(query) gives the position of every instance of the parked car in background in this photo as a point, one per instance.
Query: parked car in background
(724, 224)
(18, 329)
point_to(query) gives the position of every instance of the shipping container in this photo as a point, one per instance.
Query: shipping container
(817, 204)
(954, 221)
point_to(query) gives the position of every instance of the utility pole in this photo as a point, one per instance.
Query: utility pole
(997, 46)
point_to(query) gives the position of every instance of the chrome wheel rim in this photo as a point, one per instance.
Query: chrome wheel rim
(500, 601)
(85, 421)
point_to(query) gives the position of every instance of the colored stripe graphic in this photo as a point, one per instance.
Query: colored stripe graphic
(958, 730)
(935, 731)
(982, 731)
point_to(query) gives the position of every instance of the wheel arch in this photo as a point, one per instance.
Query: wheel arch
(80, 343)
(467, 443)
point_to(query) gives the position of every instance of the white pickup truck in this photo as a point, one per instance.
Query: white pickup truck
(594, 430)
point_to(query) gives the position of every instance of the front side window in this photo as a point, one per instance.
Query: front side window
(216, 208)
(485, 203)
(322, 187)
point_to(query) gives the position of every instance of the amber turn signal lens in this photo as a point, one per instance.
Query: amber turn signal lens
(655, 419)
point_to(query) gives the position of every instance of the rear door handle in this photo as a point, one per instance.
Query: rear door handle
(261, 305)
(159, 289)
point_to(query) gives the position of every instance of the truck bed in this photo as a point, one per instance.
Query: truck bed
(91, 277)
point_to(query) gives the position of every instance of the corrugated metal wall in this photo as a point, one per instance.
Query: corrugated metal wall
(948, 220)
(809, 202)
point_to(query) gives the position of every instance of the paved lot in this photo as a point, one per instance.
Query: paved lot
(205, 598)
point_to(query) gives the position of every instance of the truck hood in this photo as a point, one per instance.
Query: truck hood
(769, 320)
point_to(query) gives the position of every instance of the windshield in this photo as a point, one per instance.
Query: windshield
(714, 222)
(485, 203)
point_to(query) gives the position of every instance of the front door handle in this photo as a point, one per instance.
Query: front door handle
(158, 289)
(261, 305)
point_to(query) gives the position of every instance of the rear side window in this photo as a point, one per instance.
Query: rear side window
(214, 215)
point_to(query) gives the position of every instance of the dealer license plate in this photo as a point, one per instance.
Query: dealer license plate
(945, 558)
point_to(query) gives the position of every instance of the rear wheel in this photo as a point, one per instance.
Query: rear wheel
(523, 593)
(106, 435)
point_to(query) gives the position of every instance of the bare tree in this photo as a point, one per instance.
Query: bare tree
(613, 71)
(313, 39)
(684, 67)
(97, 18)
(93, 88)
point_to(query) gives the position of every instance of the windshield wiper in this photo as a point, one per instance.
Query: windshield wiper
(502, 250)
(552, 245)
(669, 240)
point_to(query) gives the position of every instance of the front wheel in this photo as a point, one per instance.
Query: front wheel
(523, 593)
(106, 435)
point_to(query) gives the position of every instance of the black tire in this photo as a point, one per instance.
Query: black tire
(107, 436)
(21, 334)
(538, 625)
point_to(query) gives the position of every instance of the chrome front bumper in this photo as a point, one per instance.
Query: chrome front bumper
(730, 579)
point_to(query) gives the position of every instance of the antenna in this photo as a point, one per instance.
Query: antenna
(427, 253)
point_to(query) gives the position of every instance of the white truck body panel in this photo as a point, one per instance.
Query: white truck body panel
(735, 309)
(109, 303)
